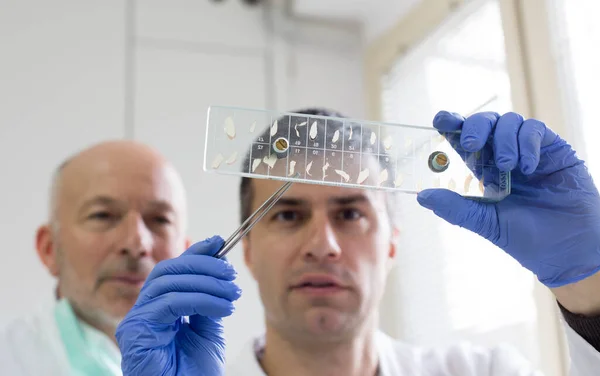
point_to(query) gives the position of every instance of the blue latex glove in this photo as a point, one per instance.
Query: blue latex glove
(156, 338)
(550, 223)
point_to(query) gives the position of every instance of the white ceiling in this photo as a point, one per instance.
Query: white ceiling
(347, 10)
(376, 15)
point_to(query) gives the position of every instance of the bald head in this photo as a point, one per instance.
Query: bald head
(121, 159)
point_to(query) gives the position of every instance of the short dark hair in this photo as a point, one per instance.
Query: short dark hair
(246, 192)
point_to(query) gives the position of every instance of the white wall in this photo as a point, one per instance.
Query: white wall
(61, 88)
(67, 71)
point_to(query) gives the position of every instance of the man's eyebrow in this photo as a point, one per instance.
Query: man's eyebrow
(343, 200)
(161, 205)
(349, 199)
(98, 200)
(286, 201)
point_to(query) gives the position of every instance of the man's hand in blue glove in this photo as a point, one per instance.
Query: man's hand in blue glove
(156, 338)
(550, 223)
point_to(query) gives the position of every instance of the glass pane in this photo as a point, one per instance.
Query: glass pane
(576, 41)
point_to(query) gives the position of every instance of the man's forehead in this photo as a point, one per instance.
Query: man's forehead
(108, 180)
(311, 193)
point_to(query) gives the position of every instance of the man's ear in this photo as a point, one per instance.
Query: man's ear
(248, 254)
(393, 250)
(45, 245)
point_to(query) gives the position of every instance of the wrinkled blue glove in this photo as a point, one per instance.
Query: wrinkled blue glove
(156, 337)
(550, 223)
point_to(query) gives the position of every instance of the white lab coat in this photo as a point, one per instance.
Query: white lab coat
(31, 346)
(463, 359)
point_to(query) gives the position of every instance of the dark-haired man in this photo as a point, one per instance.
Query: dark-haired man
(322, 255)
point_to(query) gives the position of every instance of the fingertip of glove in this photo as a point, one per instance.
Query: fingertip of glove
(424, 196)
(447, 121)
(232, 291)
(238, 293)
(471, 144)
(214, 240)
(443, 115)
(528, 165)
(229, 272)
(434, 197)
(505, 164)
(206, 247)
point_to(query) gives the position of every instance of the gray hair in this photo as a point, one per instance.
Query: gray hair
(55, 187)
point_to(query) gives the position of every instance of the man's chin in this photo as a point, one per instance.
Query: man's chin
(326, 320)
(113, 317)
(118, 307)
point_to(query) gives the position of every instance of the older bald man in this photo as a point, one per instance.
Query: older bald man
(116, 210)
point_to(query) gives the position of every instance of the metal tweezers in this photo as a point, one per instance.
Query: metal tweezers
(253, 219)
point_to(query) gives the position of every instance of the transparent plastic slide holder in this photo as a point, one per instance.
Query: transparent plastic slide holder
(348, 153)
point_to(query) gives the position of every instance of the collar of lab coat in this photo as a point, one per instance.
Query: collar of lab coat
(247, 364)
(89, 351)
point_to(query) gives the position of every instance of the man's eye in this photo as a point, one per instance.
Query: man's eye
(101, 215)
(286, 216)
(350, 214)
(162, 220)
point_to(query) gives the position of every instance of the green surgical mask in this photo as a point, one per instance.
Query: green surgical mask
(90, 352)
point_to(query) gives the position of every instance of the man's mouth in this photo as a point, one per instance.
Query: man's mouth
(319, 284)
(133, 280)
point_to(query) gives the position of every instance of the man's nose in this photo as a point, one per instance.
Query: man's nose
(323, 244)
(137, 237)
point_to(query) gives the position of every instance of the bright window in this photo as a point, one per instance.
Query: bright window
(454, 284)
(576, 41)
